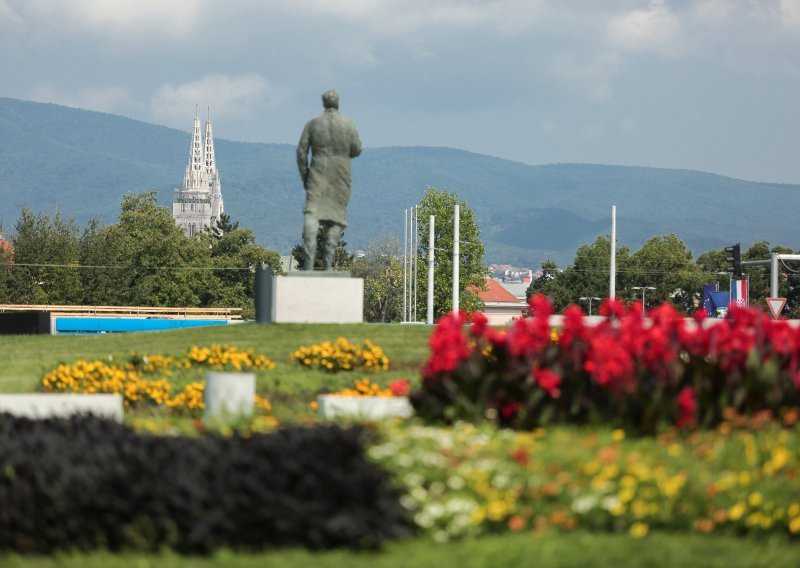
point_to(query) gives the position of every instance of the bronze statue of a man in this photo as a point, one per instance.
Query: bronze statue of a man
(333, 140)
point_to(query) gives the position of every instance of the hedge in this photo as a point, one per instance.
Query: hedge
(85, 483)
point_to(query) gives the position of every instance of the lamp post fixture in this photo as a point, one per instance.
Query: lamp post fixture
(590, 299)
(644, 290)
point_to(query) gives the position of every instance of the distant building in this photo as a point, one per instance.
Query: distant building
(198, 204)
(518, 289)
(500, 306)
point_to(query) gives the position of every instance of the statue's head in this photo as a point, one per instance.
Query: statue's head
(330, 99)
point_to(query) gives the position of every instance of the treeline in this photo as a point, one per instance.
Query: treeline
(665, 263)
(143, 260)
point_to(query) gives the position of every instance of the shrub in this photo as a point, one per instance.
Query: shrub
(148, 379)
(342, 356)
(467, 480)
(85, 483)
(629, 371)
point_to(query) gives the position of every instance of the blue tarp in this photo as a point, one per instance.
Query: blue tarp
(114, 325)
(720, 299)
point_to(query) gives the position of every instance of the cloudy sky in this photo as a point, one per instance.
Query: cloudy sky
(709, 85)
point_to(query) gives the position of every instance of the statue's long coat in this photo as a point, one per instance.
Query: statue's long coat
(333, 141)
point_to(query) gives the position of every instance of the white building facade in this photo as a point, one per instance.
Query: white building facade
(198, 205)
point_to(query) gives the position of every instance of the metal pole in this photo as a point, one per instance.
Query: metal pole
(410, 261)
(405, 261)
(456, 256)
(429, 319)
(416, 259)
(644, 302)
(263, 294)
(612, 286)
(773, 275)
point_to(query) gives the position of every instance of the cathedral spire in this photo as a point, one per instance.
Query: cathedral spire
(197, 206)
(217, 206)
(211, 163)
(196, 172)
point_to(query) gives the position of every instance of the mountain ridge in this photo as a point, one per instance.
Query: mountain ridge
(54, 156)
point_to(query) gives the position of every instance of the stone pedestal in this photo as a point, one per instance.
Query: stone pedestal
(315, 297)
(364, 407)
(61, 405)
(229, 394)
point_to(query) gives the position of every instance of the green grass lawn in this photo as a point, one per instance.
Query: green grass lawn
(25, 359)
(551, 549)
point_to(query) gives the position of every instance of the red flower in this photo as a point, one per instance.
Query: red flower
(540, 305)
(479, 324)
(610, 364)
(548, 381)
(399, 387)
(510, 409)
(687, 407)
(520, 456)
(448, 346)
(574, 328)
(612, 308)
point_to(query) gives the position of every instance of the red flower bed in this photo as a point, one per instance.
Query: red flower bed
(632, 371)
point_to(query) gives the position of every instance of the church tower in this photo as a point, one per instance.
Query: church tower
(198, 204)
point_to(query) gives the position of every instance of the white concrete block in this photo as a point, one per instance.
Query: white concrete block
(229, 394)
(317, 299)
(49, 405)
(364, 407)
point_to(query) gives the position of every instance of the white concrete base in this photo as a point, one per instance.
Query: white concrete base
(229, 394)
(364, 407)
(317, 299)
(49, 405)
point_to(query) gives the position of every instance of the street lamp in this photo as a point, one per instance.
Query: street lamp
(590, 299)
(644, 289)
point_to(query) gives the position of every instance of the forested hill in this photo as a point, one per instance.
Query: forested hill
(82, 162)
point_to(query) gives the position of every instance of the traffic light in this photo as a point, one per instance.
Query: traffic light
(735, 259)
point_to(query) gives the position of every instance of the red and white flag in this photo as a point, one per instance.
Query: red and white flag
(739, 293)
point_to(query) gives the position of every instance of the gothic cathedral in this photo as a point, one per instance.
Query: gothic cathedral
(199, 204)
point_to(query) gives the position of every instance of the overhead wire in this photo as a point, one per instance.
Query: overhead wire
(127, 267)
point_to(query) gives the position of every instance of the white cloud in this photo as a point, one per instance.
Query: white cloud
(790, 14)
(404, 16)
(592, 74)
(119, 19)
(104, 99)
(656, 29)
(8, 17)
(226, 95)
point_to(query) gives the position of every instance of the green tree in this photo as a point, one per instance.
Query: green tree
(235, 253)
(224, 225)
(665, 262)
(472, 270)
(45, 261)
(382, 270)
(758, 277)
(148, 256)
(587, 276)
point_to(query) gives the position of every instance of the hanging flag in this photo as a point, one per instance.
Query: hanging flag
(739, 293)
(708, 302)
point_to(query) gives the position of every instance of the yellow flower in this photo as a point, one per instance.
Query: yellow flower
(639, 530)
(618, 435)
(737, 511)
(794, 525)
(755, 499)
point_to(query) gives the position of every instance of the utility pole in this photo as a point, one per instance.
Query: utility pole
(429, 318)
(405, 264)
(456, 257)
(612, 286)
